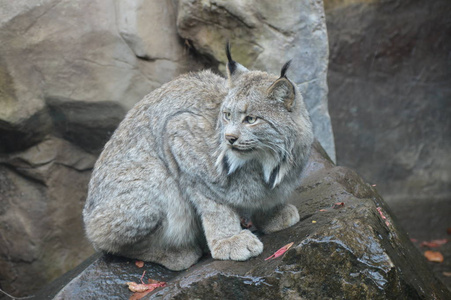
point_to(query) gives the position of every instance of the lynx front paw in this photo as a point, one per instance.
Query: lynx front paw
(240, 247)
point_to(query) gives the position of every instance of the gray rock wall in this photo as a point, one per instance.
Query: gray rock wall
(69, 71)
(390, 90)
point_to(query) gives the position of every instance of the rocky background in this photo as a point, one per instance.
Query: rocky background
(390, 101)
(69, 71)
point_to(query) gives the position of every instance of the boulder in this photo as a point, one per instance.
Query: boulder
(389, 89)
(395, 56)
(84, 54)
(346, 246)
(42, 192)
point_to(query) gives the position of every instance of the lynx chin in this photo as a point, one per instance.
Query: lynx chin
(193, 156)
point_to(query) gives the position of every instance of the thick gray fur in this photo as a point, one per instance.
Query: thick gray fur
(170, 183)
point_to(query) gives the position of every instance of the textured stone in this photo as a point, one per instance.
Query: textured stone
(264, 35)
(42, 193)
(390, 83)
(390, 90)
(56, 51)
(355, 251)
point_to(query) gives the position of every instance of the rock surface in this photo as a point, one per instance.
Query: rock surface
(353, 251)
(69, 71)
(61, 55)
(389, 97)
(42, 191)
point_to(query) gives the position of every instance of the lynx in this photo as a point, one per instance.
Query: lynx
(193, 156)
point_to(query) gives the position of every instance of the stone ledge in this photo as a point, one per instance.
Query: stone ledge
(352, 251)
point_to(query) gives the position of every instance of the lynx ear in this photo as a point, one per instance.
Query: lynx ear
(282, 90)
(234, 69)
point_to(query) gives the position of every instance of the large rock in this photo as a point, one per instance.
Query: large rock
(353, 251)
(389, 90)
(42, 191)
(61, 53)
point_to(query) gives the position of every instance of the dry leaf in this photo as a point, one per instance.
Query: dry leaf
(137, 296)
(434, 243)
(447, 274)
(413, 240)
(139, 263)
(281, 251)
(140, 295)
(338, 205)
(381, 213)
(144, 287)
(433, 256)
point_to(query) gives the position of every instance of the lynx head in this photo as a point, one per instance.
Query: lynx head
(262, 118)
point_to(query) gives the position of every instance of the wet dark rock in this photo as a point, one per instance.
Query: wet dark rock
(353, 250)
(389, 84)
(389, 88)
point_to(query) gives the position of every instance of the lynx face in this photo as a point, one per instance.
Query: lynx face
(256, 122)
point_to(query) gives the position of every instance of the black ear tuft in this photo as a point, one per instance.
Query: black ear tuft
(231, 65)
(284, 69)
(229, 56)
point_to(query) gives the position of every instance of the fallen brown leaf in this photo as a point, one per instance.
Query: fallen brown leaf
(381, 213)
(338, 205)
(139, 263)
(281, 251)
(143, 288)
(434, 243)
(137, 296)
(433, 256)
(447, 274)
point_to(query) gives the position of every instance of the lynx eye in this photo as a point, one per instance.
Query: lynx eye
(227, 116)
(250, 119)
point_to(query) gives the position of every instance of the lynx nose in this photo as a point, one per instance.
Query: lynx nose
(231, 138)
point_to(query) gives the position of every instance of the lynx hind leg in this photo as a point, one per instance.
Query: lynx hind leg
(140, 218)
(276, 220)
(113, 225)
